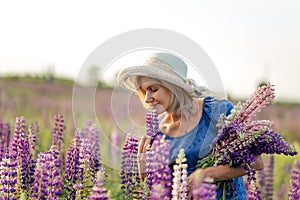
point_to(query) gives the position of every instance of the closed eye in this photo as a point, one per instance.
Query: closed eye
(151, 89)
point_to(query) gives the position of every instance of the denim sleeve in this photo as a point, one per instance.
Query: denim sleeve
(211, 112)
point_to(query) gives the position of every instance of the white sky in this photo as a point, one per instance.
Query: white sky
(247, 40)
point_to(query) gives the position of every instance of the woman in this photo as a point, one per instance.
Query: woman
(189, 113)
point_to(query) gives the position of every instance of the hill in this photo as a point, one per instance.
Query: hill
(38, 99)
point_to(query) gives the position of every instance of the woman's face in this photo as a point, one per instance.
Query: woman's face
(155, 94)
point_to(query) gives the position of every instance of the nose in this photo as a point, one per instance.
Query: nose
(148, 98)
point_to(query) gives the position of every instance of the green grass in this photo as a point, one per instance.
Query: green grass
(38, 99)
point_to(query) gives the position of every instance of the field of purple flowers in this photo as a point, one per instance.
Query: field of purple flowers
(49, 158)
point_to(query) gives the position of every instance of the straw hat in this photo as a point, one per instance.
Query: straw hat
(161, 66)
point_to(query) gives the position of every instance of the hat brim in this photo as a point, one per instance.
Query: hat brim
(127, 77)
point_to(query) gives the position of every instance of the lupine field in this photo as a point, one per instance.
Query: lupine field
(44, 156)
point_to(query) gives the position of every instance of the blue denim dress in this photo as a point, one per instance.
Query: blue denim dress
(197, 142)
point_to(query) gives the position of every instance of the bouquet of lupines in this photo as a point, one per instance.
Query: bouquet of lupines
(240, 138)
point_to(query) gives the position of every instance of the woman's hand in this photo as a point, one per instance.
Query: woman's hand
(142, 148)
(225, 172)
(195, 177)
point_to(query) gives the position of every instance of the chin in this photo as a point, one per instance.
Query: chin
(159, 109)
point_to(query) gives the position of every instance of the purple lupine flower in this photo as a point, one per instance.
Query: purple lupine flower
(27, 167)
(287, 167)
(242, 114)
(48, 183)
(152, 122)
(269, 178)
(32, 136)
(281, 193)
(57, 131)
(253, 192)
(265, 178)
(85, 178)
(152, 129)
(83, 161)
(149, 159)
(4, 137)
(20, 145)
(78, 187)
(115, 150)
(261, 180)
(294, 193)
(19, 132)
(57, 138)
(98, 191)
(180, 178)
(129, 173)
(162, 178)
(204, 189)
(72, 166)
(257, 125)
(90, 139)
(9, 175)
(251, 107)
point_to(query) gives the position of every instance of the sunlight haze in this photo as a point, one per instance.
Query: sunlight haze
(248, 41)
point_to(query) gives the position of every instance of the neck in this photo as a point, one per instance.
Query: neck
(178, 124)
(184, 115)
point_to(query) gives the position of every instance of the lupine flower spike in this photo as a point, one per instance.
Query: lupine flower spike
(9, 175)
(204, 188)
(32, 135)
(294, 193)
(253, 192)
(98, 191)
(152, 122)
(72, 173)
(129, 172)
(48, 182)
(90, 139)
(152, 130)
(82, 162)
(180, 178)
(4, 137)
(265, 179)
(26, 164)
(57, 138)
(162, 179)
(269, 178)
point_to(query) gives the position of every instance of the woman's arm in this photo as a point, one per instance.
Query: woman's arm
(225, 172)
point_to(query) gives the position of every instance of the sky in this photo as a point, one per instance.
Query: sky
(248, 41)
